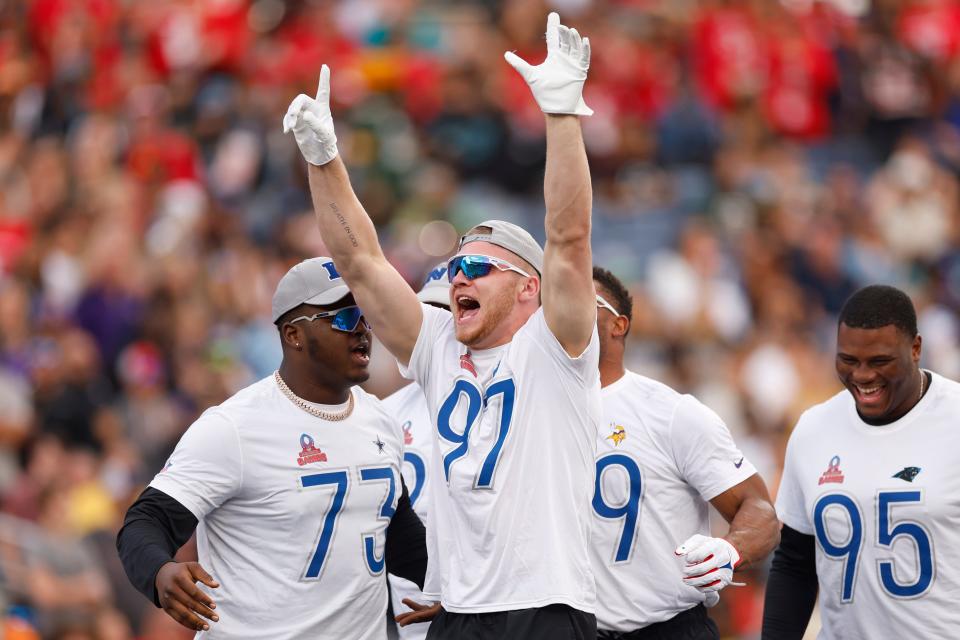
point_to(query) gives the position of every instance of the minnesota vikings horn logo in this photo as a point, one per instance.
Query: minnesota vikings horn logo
(619, 435)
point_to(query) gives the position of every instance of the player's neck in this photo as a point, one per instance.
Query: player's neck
(311, 388)
(611, 368)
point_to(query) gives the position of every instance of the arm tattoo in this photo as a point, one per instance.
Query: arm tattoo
(343, 223)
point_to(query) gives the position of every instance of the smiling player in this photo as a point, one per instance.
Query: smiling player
(869, 493)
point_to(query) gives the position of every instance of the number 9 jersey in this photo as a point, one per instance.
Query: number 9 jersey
(883, 503)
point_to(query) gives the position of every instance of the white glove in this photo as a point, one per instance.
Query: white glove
(312, 124)
(710, 563)
(557, 83)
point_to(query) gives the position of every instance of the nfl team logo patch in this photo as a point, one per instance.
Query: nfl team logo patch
(619, 435)
(309, 452)
(833, 473)
(407, 434)
(907, 473)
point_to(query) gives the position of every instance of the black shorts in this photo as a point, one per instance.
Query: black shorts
(692, 624)
(553, 622)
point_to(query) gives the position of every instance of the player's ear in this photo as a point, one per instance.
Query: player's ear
(621, 325)
(916, 348)
(290, 335)
(530, 289)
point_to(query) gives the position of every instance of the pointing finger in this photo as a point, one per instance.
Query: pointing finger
(323, 88)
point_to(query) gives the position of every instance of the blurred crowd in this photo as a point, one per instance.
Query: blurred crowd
(754, 162)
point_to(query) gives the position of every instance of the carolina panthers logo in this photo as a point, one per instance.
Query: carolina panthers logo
(619, 435)
(908, 473)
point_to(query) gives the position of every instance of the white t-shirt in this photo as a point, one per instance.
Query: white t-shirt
(896, 489)
(293, 513)
(409, 408)
(660, 457)
(510, 525)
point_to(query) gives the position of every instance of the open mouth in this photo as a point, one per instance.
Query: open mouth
(467, 308)
(869, 395)
(361, 353)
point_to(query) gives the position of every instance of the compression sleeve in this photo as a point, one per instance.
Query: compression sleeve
(406, 546)
(155, 527)
(791, 587)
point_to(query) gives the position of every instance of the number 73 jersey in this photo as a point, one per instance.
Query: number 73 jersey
(883, 503)
(293, 512)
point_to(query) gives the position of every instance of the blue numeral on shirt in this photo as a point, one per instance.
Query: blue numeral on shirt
(476, 401)
(339, 479)
(387, 509)
(419, 474)
(850, 551)
(629, 510)
(886, 535)
(507, 390)
(462, 388)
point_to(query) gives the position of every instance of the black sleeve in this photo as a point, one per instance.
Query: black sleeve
(406, 546)
(155, 527)
(791, 587)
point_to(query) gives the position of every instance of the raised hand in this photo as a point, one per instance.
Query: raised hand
(710, 563)
(181, 598)
(557, 83)
(312, 123)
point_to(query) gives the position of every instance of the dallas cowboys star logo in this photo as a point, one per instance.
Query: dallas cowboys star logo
(379, 443)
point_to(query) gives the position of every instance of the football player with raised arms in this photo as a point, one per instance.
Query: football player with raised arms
(293, 486)
(408, 406)
(512, 384)
(662, 457)
(869, 495)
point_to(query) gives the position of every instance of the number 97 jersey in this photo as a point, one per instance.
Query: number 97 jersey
(883, 503)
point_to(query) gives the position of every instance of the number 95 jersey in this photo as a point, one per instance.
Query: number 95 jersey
(883, 503)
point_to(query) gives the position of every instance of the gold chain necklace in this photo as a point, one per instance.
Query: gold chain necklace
(923, 378)
(303, 404)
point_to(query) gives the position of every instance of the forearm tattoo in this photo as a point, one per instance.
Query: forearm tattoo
(344, 224)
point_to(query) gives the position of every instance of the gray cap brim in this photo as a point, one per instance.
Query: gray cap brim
(329, 296)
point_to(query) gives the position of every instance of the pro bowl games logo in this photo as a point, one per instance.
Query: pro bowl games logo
(833, 473)
(407, 434)
(309, 452)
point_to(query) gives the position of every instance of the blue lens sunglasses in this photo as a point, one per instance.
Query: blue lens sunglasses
(476, 266)
(344, 319)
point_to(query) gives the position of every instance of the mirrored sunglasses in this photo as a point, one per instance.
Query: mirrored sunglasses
(343, 319)
(476, 266)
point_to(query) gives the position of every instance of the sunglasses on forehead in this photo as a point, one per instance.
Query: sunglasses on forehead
(476, 266)
(343, 319)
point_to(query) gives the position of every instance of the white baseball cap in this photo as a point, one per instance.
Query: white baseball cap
(436, 288)
(313, 281)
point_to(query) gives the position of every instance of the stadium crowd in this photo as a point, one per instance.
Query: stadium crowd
(753, 163)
